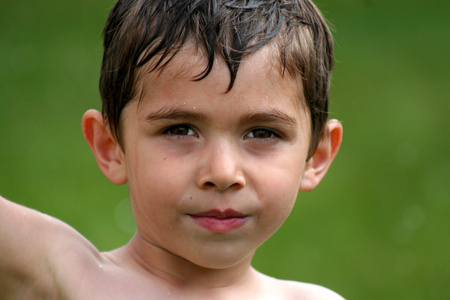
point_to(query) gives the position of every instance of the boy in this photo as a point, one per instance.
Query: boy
(215, 114)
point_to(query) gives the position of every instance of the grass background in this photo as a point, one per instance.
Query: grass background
(376, 228)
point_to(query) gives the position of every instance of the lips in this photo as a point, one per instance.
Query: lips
(219, 214)
(220, 221)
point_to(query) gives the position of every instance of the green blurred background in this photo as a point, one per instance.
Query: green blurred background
(376, 228)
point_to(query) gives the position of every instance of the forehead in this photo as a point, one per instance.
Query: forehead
(184, 69)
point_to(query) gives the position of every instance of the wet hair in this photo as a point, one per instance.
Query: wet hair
(141, 31)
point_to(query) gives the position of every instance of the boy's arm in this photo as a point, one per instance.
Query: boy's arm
(32, 245)
(23, 247)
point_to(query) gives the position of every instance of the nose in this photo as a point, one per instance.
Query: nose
(220, 167)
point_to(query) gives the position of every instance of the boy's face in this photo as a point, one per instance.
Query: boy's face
(212, 175)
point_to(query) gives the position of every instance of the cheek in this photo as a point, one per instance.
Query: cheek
(156, 180)
(278, 194)
(281, 197)
(153, 196)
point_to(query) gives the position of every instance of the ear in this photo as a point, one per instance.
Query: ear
(104, 146)
(317, 166)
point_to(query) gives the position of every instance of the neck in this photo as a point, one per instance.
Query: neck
(180, 273)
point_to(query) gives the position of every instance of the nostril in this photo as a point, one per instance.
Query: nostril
(220, 171)
(209, 184)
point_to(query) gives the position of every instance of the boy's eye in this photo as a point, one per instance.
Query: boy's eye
(180, 130)
(261, 133)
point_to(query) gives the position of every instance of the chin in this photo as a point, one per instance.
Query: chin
(219, 260)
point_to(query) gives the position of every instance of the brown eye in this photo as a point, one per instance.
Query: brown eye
(261, 133)
(180, 130)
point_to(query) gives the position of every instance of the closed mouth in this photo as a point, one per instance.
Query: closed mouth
(220, 221)
(220, 214)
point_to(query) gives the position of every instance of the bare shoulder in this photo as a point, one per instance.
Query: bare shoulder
(284, 289)
(30, 231)
(36, 248)
(309, 291)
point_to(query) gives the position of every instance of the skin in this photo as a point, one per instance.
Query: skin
(187, 148)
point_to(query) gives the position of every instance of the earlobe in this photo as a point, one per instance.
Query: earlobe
(318, 164)
(107, 151)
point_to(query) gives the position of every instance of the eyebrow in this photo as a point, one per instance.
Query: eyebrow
(175, 113)
(178, 113)
(274, 115)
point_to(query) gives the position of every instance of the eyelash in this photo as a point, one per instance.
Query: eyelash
(190, 132)
(273, 135)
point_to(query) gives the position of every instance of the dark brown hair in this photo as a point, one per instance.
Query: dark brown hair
(140, 31)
